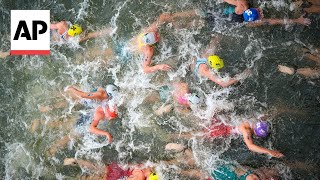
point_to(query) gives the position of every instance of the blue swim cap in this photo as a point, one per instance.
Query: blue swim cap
(251, 15)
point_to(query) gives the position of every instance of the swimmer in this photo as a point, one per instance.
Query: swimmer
(207, 59)
(307, 72)
(237, 11)
(143, 43)
(182, 98)
(71, 125)
(254, 16)
(114, 171)
(312, 73)
(222, 172)
(310, 6)
(64, 30)
(105, 111)
(247, 129)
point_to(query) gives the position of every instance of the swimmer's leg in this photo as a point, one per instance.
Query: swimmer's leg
(187, 135)
(59, 105)
(152, 98)
(312, 9)
(286, 70)
(100, 52)
(66, 125)
(192, 173)
(84, 164)
(314, 2)
(313, 57)
(164, 110)
(60, 144)
(4, 54)
(312, 73)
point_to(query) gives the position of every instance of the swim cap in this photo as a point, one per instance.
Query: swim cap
(251, 15)
(261, 129)
(149, 38)
(112, 91)
(153, 176)
(215, 62)
(194, 99)
(74, 30)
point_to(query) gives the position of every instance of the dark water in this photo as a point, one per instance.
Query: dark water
(28, 82)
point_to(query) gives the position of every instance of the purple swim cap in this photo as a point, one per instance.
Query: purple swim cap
(261, 129)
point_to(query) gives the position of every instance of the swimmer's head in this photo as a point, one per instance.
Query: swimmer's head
(215, 62)
(74, 30)
(261, 129)
(153, 176)
(194, 99)
(251, 14)
(151, 38)
(112, 91)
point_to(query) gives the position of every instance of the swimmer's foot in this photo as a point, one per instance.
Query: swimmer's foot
(34, 125)
(4, 54)
(285, 69)
(175, 147)
(44, 109)
(69, 161)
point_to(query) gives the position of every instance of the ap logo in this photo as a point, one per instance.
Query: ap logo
(30, 32)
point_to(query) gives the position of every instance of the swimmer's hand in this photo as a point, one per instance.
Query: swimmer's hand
(4, 54)
(108, 136)
(303, 21)
(163, 67)
(276, 154)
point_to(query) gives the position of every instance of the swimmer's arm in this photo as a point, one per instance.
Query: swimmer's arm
(53, 26)
(217, 80)
(58, 25)
(148, 53)
(232, 2)
(93, 126)
(92, 35)
(87, 95)
(271, 22)
(247, 137)
(210, 50)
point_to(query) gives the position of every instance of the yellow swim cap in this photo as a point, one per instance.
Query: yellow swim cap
(215, 62)
(153, 176)
(74, 30)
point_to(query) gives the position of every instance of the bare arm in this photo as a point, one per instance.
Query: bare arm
(92, 35)
(205, 72)
(232, 2)
(271, 22)
(211, 48)
(98, 116)
(247, 137)
(148, 53)
(100, 94)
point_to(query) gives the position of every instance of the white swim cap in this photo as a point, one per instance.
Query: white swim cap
(194, 99)
(149, 38)
(112, 91)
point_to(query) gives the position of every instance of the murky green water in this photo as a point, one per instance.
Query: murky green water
(28, 83)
